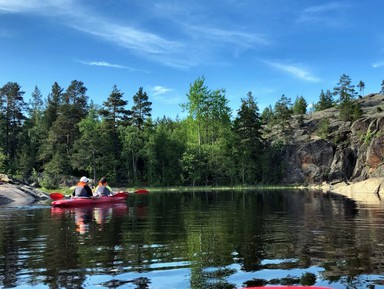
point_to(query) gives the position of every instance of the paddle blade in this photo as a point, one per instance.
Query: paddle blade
(56, 196)
(141, 191)
(121, 194)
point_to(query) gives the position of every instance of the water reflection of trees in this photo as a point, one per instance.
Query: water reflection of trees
(214, 234)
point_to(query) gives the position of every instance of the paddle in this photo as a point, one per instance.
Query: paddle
(57, 196)
(141, 191)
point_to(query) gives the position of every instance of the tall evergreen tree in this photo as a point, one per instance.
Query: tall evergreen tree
(247, 127)
(349, 109)
(114, 114)
(300, 106)
(12, 113)
(52, 106)
(361, 86)
(32, 136)
(64, 130)
(87, 154)
(141, 108)
(283, 110)
(325, 101)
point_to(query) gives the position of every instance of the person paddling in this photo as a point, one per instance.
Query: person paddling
(103, 189)
(82, 189)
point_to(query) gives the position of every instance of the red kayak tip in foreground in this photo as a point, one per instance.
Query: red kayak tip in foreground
(287, 287)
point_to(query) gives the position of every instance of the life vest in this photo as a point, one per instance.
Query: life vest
(80, 191)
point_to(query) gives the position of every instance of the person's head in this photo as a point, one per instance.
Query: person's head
(84, 180)
(103, 180)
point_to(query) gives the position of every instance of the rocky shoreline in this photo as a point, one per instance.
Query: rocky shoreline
(15, 193)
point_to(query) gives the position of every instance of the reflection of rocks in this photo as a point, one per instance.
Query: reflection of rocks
(15, 193)
(369, 191)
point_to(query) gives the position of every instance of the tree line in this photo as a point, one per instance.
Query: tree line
(65, 134)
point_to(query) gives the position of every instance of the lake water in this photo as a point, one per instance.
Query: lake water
(224, 239)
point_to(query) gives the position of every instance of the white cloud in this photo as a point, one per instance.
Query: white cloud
(295, 71)
(329, 14)
(378, 64)
(158, 90)
(189, 45)
(102, 63)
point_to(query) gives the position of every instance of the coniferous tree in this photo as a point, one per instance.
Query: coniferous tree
(32, 136)
(300, 106)
(114, 115)
(267, 115)
(361, 86)
(382, 87)
(52, 106)
(12, 116)
(349, 109)
(283, 110)
(88, 149)
(325, 101)
(247, 127)
(141, 108)
(64, 130)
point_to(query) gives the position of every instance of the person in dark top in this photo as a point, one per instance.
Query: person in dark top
(82, 189)
(103, 189)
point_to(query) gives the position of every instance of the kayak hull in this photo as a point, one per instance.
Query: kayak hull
(81, 202)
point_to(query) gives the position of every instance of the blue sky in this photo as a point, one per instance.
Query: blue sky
(271, 48)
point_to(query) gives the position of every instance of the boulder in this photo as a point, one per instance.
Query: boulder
(370, 191)
(15, 193)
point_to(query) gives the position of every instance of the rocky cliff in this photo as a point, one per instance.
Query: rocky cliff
(320, 148)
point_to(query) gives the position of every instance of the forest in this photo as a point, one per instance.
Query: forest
(66, 135)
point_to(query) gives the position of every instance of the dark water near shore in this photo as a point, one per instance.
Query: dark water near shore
(223, 239)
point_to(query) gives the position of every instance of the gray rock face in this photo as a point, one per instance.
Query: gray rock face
(347, 152)
(15, 193)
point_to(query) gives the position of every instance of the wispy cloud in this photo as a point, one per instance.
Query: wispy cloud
(378, 64)
(164, 95)
(158, 90)
(229, 36)
(102, 63)
(188, 46)
(328, 14)
(294, 70)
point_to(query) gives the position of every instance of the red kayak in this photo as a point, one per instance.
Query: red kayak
(94, 201)
(287, 287)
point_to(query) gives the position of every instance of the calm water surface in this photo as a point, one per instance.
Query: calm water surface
(223, 239)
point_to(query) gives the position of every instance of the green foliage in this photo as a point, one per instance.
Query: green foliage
(141, 108)
(283, 111)
(248, 141)
(3, 158)
(323, 128)
(349, 109)
(325, 101)
(65, 135)
(300, 106)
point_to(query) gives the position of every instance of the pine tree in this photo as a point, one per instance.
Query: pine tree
(141, 108)
(349, 110)
(300, 106)
(247, 128)
(114, 115)
(325, 101)
(12, 116)
(361, 87)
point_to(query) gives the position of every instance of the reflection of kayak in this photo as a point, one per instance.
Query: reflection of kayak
(78, 202)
